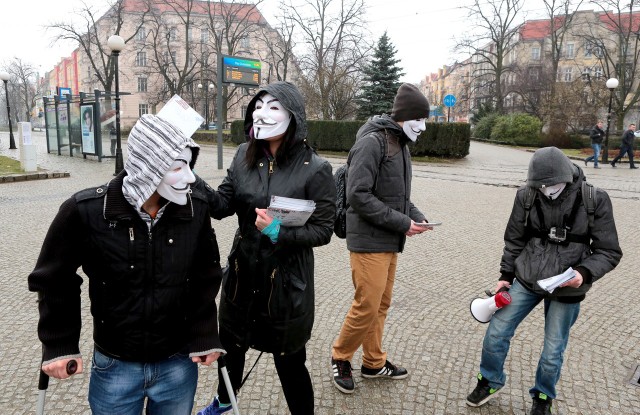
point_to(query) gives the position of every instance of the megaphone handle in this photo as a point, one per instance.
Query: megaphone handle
(503, 288)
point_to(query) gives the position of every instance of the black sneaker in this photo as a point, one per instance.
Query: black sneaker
(541, 405)
(586, 162)
(342, 377)
(613, 164)
(389, 371)
(482, 393)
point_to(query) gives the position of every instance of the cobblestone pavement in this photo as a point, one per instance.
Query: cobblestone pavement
(429, 328)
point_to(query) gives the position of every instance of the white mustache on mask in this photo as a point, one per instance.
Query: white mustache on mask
(553, 191)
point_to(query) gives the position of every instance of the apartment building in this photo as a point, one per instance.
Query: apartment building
(170, 47)
(581, 73)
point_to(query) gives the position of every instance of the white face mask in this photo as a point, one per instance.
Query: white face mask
(413, 128)
(270, 118)
(175, 183)
(552, 192)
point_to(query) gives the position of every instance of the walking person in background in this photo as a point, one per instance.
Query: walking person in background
(596, 135)
(380, 217)
(555, 233)
(145, 242)
(267, 299)
(627, 146)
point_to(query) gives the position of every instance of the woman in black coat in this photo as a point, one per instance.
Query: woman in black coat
(267, 301)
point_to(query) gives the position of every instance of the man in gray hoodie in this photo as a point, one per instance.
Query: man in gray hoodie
(380, 217)
(545, 237)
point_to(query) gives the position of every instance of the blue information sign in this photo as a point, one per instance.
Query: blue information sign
(449, 100)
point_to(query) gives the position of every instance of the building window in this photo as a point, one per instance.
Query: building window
(142, 84)
(598, 72)
(567, 74)
(535, 53)
(204, 35)
(586, 74)
(587, 49)
(141, 59)
(244, 111)
(570, 51)
(173, 33)
(142, 34)
(245, 43)
(143, 109)
(534, 73)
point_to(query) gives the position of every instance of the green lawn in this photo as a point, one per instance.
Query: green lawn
(9, 165)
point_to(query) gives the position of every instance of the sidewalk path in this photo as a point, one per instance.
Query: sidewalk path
(429, 328)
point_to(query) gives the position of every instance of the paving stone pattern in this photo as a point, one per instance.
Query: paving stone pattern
(429, 328)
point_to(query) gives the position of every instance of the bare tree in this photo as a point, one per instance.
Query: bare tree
(336, 51)
(92, 34)
(492, 37)
(25, 86)
(170, 62)
(279, 47)
(234, 26)
(560, 14)
(615, 40)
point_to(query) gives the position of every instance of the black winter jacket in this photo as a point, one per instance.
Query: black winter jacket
(531, 258)
(267, 300)
(628, 138)
(152, 291)
(379, 196)
(596, 135)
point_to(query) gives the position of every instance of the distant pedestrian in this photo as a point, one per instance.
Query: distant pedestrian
(596, 135)
(627, 146)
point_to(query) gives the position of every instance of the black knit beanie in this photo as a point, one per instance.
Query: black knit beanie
(409, 104)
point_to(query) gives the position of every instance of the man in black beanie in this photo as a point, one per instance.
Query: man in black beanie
(549, 233)
(379, 219)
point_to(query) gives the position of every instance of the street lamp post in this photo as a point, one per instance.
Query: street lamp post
(4, 76)
(116, 44)
(612, 83)
(206, 104)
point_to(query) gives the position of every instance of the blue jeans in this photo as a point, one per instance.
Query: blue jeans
(596, 154)
(559, 317)
(120, 387)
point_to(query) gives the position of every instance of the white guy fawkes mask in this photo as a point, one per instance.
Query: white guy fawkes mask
(270, 118)
(552, 192)
(175, 183)
(413, 128)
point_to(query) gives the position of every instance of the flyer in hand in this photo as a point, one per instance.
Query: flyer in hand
(554, 282)
(291, 212)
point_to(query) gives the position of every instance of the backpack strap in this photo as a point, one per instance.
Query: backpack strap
(529, 199)
(589, 200)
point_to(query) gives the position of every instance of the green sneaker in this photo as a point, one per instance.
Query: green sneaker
(482, 393)
(541, 405)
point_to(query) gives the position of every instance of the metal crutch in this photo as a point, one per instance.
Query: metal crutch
(43, 384)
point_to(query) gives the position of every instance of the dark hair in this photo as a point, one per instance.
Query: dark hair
(85, 112)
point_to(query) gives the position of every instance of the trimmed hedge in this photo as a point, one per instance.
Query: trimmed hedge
(520, 129)
(444, 140)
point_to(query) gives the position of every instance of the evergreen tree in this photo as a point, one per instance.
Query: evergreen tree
(381, 80)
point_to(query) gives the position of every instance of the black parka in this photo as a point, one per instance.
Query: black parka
(531, 258)
(267, 300)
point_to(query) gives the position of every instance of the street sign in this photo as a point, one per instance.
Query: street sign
(449, 100)
(242, 71)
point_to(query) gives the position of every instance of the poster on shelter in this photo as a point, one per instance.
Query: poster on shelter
(86, 124)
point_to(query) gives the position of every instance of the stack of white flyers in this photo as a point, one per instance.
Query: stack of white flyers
(291, 212)
(554, 282)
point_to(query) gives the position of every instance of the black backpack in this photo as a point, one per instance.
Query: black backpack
(340, 179)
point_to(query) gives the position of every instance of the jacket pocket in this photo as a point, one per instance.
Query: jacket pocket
(286, 295)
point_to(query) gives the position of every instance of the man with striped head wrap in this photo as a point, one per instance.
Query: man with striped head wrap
(145, 243)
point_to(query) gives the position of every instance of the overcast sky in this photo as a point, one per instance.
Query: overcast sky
(422, 31)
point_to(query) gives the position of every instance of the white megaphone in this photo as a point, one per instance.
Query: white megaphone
(482, 309)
